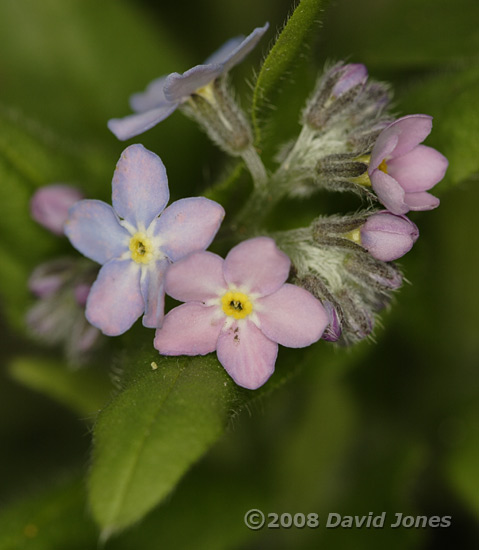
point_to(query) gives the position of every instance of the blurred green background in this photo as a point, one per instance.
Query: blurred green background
(391, 425)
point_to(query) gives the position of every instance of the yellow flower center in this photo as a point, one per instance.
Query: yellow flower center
(207, 93)
(236, 304)
(141, 248)
(383, 166)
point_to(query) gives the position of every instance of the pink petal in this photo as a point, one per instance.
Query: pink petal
(418, 170)
(153, 292)
(115, 301)
(247, 355)
(389, 192)
(198, 277)
(410, 131)
(140, 186)
(50, 205)
(421, 201)
(258, 265)
(189, 329)
(292, 316)
(383, 147)
(188, 225)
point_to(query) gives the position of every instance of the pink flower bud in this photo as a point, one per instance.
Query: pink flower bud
(332, 332)
(81, 292)
(50, 205)
(388, 236)
(352, 75)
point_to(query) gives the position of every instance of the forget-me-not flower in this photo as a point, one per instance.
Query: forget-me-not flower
(134, 244)
(241, 307)
(165, 94)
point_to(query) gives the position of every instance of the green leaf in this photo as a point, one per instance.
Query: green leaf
(451, 97)
(84, 390)
(172, 410)
(284, 58)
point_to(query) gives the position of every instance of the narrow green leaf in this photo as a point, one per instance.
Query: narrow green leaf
(451, 97)
(284, 57)
(145, 439)
(84, 390)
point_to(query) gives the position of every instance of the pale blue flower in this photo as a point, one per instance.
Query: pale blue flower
(134, 244)
(164, 95)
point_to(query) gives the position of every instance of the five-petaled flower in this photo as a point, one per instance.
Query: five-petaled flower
(401, 170)
(135, 245)
(241, 307)
(164, 95)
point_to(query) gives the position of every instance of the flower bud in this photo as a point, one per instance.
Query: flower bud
(48, 278)
(350, 76)
(332, 332)
(50, 205)
(81, 292)
(388, 236)
(336, 91)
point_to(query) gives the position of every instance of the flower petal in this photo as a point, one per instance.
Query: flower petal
(140, 186)
(243, 49)
(94, 229)
(257, 265)
(188, 225)
(153, 291)
(292, 316)
(410, 131)
(115, 301)
(189, 329)
(179, 87)
(198, 277)
(421, 201)
(389, 192)
(151, 98)
(223, 53)
(132, 125)
(383, 147)
(247, 355)
(418, 170)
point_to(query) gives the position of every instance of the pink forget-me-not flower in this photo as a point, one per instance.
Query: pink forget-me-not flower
(165, 94)
(401, 170)
(241, 307)
(134, 244)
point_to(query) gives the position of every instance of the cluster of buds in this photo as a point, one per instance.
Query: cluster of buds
(350, 143)
(62, 285)
(346, 263)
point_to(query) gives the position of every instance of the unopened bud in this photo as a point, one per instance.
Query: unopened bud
(388, 236)
(336, 91)
(333, 331)
(50, 205)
